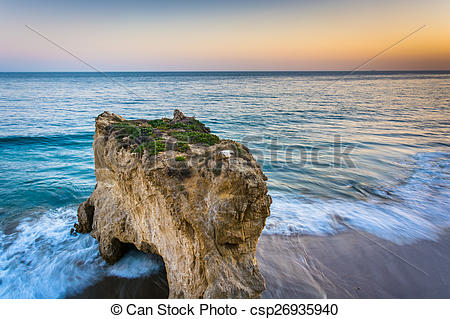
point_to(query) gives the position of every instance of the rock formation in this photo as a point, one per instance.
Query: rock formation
(170, 187)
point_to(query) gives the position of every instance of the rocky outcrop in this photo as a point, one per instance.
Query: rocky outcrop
(172, 188)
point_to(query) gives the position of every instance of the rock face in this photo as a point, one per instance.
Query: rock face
(170, 187)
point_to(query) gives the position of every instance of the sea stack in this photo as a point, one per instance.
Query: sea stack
(172, 188)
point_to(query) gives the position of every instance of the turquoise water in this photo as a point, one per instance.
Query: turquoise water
(373, 148)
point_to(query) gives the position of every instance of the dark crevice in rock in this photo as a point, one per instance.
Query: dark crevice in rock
(112, 250)
(85, 217)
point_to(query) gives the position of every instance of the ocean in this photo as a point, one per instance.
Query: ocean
(372, 148)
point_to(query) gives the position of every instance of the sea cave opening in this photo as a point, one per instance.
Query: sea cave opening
(137, 274)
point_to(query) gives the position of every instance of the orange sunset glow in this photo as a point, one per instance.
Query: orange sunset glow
(287, 35)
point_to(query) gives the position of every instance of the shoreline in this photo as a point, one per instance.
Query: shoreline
(344, 265)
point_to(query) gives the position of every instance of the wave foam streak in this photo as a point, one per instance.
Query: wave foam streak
(416, 208)
(41, 259)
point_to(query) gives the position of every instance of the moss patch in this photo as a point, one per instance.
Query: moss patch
(125, 129)
(194, 137)
(191, 125)
(180, 158)
(162, 124)
(182, 147)
(153, 147)
(152, 135)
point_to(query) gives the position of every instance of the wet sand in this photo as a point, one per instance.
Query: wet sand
(354, 265)
(151, 287)
(347, 265)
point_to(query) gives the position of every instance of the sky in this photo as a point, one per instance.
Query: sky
(230, 35)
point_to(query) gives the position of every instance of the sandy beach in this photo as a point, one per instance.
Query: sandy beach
(354, 265)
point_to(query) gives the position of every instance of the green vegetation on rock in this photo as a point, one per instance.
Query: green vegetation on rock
(125, 129)
(152, 147)
(191, 125)
(152, 135)
(195, 137)
(182, 147)
(159, 124)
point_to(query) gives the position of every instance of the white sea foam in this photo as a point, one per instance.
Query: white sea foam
(417, 208)
(135, 264)
(41, 259)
